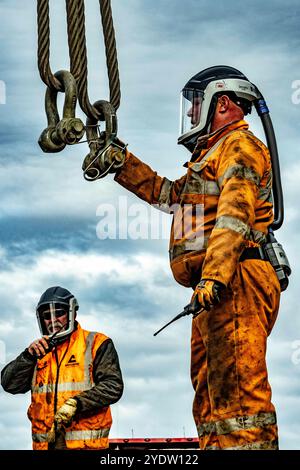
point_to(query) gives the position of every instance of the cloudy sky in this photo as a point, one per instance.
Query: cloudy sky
(49, 215)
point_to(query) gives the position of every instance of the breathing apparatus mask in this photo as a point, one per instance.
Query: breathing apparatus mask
(199, 99)
(56, 312)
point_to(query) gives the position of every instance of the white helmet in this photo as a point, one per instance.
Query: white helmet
(199, 99)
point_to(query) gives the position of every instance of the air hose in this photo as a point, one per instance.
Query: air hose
(272, 249)
(264, 114)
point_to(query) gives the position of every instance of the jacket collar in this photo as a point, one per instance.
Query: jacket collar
(206, 142)
(70, 340)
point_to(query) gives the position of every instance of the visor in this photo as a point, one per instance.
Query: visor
(53, 318)
(190, 109)
(56, 318)
(198, 106)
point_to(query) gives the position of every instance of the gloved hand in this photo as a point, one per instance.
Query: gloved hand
(207, 293)
(107, 162)
(66, 412)
(63, 418)
(40, 347)
(114, 155)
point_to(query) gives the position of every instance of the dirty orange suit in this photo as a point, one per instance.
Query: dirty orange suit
(221, 210)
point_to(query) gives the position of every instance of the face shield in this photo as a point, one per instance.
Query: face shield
(190, 109)
(56, 318)
(198, 106)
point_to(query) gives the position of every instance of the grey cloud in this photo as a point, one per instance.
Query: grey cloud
(155, 369)
(155, 374)
(24, 237)
(160, 45)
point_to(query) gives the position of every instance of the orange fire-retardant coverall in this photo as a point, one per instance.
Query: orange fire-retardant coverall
(230, 177)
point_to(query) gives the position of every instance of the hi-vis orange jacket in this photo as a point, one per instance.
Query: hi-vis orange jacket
(85, 366)
(222, 205)
(53, 383)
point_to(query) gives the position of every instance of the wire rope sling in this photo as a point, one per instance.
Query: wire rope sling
(69, 129)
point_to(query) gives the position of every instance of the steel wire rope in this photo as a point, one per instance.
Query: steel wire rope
(44, 45)
(111, 52)
(78, 53)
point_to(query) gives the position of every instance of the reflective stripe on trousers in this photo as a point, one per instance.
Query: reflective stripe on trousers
(76, 435)
(236, 424)
(265, 445)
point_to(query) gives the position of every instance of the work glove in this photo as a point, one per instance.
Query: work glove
(63, 418)
(207, 293)
(114, 155)
(107, 162)
(39, 348)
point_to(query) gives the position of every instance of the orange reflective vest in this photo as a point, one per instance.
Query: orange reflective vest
(53, 383)
(222, 205)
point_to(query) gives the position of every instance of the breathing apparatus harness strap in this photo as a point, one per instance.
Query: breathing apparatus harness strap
(253, 253)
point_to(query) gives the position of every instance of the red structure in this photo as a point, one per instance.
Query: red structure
(154, 443)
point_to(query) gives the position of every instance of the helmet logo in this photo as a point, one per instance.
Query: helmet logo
(220, 85)
(243, 87)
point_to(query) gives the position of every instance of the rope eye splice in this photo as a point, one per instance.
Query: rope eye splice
(70, 130)
(66, 131)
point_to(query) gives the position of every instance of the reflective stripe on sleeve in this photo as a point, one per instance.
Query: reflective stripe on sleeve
(164, 196)
(233, 223)
(240, 171)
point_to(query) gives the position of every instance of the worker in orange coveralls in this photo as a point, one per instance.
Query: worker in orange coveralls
(229, 175)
